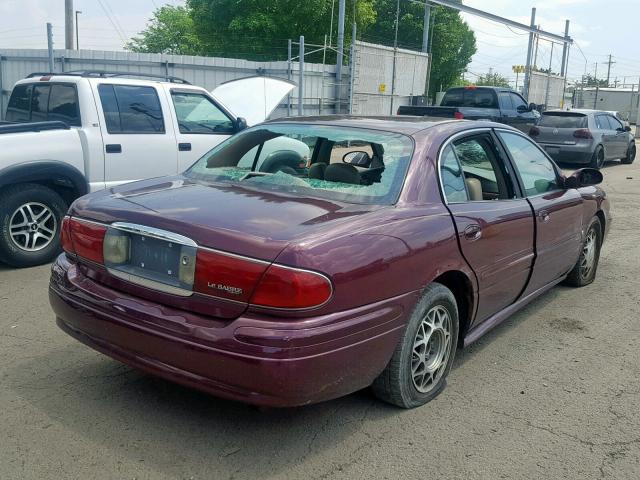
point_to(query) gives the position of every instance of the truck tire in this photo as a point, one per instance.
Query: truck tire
(30, 219)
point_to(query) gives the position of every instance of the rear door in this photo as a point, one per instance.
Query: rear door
(608, 136)
(558, 212)
(137, 132)
(495, 226)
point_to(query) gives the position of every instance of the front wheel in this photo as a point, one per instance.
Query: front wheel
(631, 154)
(30, 219)
(597, 161)
(422, 360)
(584, 271)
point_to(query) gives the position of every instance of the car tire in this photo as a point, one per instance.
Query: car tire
(418, 369)
(30, 218)
(584, 271)
(631, 154)
(597, 160)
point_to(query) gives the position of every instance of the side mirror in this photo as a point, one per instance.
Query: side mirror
(240, 124)
(584, 177)
(523, 109)
(627, 128)
(532, 107)
(357, 159)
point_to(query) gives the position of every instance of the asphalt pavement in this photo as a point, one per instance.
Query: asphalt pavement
(553, 393)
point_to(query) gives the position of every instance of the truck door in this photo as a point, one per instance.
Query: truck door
(525, 118)
(495, 227)
(558, 211)
(137, 132)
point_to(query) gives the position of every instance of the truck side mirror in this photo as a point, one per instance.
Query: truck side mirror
(240, 124)
(532, 107)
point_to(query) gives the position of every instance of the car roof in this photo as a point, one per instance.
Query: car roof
(404, 124)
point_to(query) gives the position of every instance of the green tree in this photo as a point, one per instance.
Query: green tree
(171, 30)
(259, 29)
(453, 43)
(591, 81)
(491, 79)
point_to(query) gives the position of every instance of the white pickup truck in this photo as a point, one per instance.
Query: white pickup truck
(93, 130)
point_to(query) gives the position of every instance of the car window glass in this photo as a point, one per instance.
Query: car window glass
(517, 101)
(470, 97)
(452, 177)
(482, 171)
(505, 101)
(131, 109)
(602, 123)
(39, 102)
(537, 172)
(63, 104)
(198, 114)
(563, 120)
(18, 108)
(614, 122)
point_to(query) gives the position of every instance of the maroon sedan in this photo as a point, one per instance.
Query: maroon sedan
(304, 259)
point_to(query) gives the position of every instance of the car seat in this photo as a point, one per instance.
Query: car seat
(342, 172)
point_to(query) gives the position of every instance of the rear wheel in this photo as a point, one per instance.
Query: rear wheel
(30, 218)
(631, 154)
(597, 161)
(422, 360)
(584, 271)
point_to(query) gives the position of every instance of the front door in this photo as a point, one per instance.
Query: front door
(495, 227)
(621, 138)
(558, 212)
(137, 133)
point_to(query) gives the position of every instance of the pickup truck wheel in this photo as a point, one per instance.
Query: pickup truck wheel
(30, 218)
(631, 154)
(422, 360)
(584, 271)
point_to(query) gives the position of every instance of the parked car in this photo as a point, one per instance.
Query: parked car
(496, 104)
(584, 137)
(402, 241)
(95, 130)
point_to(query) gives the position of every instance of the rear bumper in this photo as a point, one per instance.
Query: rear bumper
(577, 154)
(263, 361)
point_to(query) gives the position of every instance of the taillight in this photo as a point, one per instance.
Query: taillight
(534, 132)
(285, 287)
(583, 133)
(86, 239)
(458, 116)
(226, 276)
(65, 236)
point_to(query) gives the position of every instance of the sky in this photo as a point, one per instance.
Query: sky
(599, 27)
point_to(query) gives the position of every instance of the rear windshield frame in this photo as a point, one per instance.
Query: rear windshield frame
(391, 198)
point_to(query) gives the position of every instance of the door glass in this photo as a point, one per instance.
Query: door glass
(452, 177)
(198, 114)
(518, 101)
(505, 101)
(614, 122)
(39, 101)
(131, 109)
(18, 108)
(63, 105)
(483, 174)
(602, 123)
(536, 170)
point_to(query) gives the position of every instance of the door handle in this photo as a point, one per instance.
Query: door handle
(473, 232)
(113, 148)
(543, 215)
(184, 147)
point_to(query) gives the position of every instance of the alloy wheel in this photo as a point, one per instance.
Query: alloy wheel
(33, 226)
(431, 349)
(588, 257)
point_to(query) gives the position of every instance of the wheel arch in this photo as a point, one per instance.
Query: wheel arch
(66, 180)
(462, 288)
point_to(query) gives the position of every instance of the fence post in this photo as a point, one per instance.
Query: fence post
(546, 95)
(289, 76)
(352, 74)
(1, 92)
(301, 78)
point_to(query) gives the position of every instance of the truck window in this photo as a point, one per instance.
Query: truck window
(518, 101)
(63, 105)
(130, 109)
(18, 107)
(505, 101)
(39, 102)
(470, 97)
(198, 114)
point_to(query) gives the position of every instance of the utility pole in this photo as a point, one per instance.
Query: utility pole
(78, 12)
(425, 28)
(50, 46)
(68, 24)
(565, 51)
(340, 55)
(535, 55)
(527, 73)
(546, 95)
(609, 63)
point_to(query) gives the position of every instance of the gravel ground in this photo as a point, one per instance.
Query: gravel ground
(552, 393)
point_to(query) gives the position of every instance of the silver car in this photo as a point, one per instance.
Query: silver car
(586, 137)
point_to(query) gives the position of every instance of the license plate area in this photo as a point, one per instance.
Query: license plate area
(148, 259)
